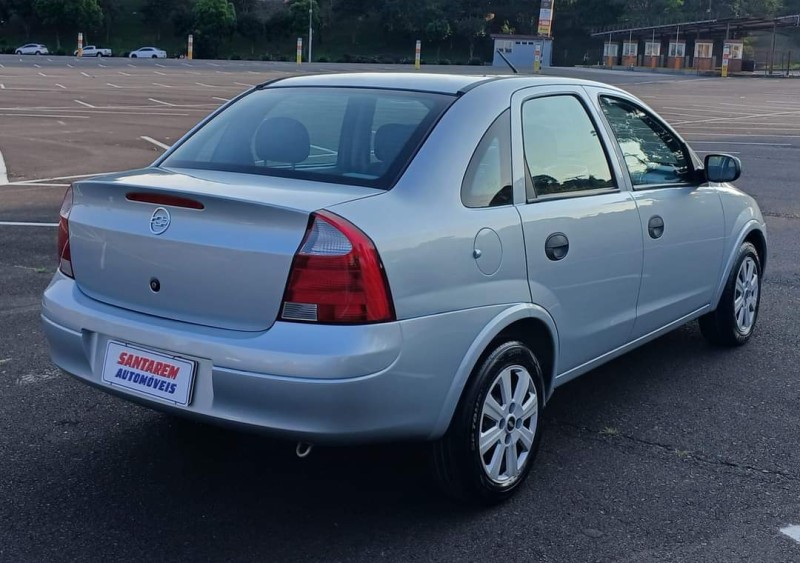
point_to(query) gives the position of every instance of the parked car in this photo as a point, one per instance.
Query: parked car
(94, 51)
(148, 53)
(32, 49)
(344, 259)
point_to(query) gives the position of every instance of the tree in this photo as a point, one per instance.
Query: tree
(156, 12)
(68, 14)
(250, 27)
(111, 11)
(298, 16)
(214, 22)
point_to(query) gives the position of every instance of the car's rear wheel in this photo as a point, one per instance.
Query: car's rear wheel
(734, 321)
(99, 55)
(18, 52)
(155, 56)
(488, 451)
(134, 56)
(38, 52)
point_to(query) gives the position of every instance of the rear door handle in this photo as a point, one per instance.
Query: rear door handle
(655, 227)
(556, 247)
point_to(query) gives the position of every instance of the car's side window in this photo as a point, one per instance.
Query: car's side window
(563, 151)
(653, 155)
(487, 182)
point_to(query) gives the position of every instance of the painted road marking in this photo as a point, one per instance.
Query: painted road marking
(42, 74)
(112, 85)
(220, 99)
(37, 66)
(738, 143)
(160, 73)
(61, 86)
(124, 73)
(2, 86)
(162, 85)
(24, 224)
(44, 115)
(160, 102)
(84, 104)
(205, 85)
(153, 141)
(160, 65)
(792, 532)
(245, 85)
(3, 171)
(70, 66)
(86, 75)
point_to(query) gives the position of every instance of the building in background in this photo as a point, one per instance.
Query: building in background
(520, 50)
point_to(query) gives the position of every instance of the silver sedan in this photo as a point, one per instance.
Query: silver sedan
(357, 258)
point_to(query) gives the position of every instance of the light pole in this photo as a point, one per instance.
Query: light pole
(310, 27)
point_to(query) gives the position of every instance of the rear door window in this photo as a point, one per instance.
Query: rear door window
(343, 135)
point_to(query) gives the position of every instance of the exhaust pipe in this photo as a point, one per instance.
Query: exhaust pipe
(303, 449)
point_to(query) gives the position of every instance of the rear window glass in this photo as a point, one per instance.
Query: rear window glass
(343, 135)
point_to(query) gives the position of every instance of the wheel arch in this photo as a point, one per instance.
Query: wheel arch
(753, 232)
(528, 323)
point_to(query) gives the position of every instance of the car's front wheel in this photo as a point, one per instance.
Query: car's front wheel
(493, 438)
(17, 52)
(38, 52)
(134, 56)
(734, 321)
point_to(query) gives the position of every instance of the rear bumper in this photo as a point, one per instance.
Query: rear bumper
(323, 384)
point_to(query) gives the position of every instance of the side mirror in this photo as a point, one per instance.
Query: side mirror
(722, 168)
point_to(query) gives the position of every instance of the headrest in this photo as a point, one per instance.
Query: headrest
(282, 139)
(390, 140)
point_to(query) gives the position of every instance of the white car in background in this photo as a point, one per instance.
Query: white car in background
(32, 49)
(148, 53)
(94, 51)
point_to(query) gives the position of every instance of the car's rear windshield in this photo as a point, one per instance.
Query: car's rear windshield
(358, 136)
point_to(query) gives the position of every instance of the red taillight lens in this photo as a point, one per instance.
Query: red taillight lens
(64, 254)
(337, 276)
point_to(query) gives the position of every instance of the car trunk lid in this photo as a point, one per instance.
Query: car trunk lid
(222, 265)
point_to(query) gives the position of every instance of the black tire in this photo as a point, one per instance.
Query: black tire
(154, 57)
(18, 52)
(99, 55)
(39, 53)
(134, 56)
(458, 464)
(720, 327)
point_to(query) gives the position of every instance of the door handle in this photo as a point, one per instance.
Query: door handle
(556, 247)
(655, 227)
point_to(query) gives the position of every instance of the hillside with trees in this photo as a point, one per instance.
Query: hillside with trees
(346, 30)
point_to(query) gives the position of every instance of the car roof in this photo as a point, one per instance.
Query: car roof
(425, 82)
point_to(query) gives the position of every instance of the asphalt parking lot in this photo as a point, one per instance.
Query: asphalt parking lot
(675, 452)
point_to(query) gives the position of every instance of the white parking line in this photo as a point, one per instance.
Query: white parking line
(220, 99)
(42, 74)
(102, 65)
(244, 84)
(112, 85)
(44, 115)
(160, 102)
(205, 85)
(792, 532)
(162, 85)
(61, 86)
(37, 66)
(85, 74)
(160, 65)
(84, 104)
(132, 66)
(2, 66)
(124, 73)
(153, 141)
(739, 143)
(25, 224)
(3, 171)
(70, 66)
(160, 73)
(2, 86)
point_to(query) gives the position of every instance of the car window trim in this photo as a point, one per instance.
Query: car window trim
(684, 146)
(531, 188)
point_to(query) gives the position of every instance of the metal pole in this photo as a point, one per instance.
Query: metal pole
(310, 27)
(772, 51)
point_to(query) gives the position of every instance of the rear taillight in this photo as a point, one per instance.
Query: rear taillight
(64, 254)
(337, 276)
